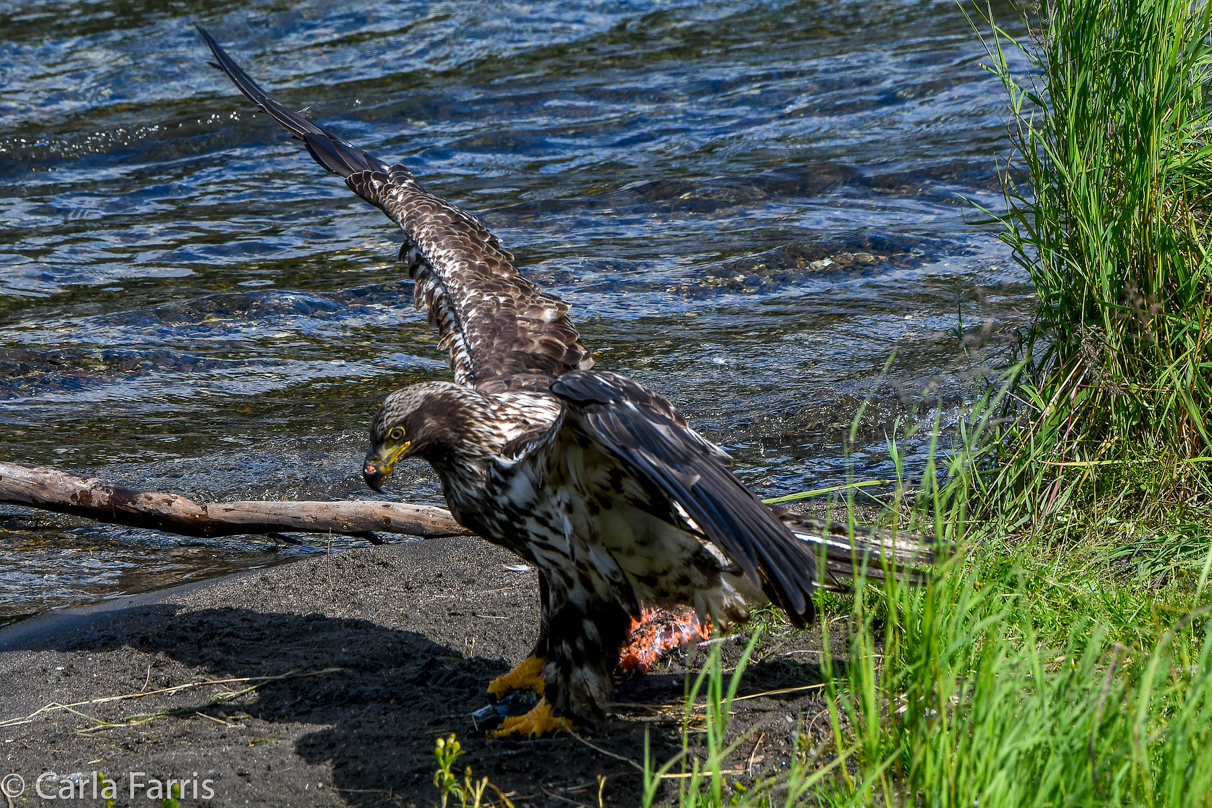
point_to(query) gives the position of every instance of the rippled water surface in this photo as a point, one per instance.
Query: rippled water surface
(750, 206)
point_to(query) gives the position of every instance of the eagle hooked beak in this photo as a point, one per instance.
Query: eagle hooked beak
(377, 467)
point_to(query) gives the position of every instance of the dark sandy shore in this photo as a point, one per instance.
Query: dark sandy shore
(387, 648)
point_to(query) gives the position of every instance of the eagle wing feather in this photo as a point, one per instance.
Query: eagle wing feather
(645, 432)
(502, 331)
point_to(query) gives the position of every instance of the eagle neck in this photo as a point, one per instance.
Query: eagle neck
(470, 466)
(473, 437)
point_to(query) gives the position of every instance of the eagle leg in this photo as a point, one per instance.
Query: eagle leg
(541, 720)
(527, 675)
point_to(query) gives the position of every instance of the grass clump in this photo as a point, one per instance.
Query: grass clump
(1108, 191)
(998, 687)
(469, 792)
(1011, 678)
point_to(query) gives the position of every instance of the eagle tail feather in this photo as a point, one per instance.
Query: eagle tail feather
(874, 554)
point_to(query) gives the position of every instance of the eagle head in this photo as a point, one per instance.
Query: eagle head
(425, 420)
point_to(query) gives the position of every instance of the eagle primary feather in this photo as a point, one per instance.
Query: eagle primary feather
(501, 330)
(597, 481)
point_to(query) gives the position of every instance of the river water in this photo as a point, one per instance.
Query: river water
(751, 207)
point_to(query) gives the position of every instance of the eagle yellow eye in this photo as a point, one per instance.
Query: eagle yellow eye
(396, 433)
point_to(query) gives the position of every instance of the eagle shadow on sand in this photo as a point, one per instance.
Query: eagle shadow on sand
(366, 697)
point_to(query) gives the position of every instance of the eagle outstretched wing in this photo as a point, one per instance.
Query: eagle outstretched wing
(502, 332)
(647, 435)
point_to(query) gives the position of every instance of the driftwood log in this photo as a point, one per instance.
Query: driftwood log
(843, 547)
(52, 489)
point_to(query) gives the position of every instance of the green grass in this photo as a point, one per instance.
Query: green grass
(1015, 681)
(1107, 192)
(1015, 677)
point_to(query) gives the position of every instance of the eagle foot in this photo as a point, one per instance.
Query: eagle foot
(539, 721)
(528, 675)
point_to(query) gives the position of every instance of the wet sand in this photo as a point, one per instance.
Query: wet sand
(380, 651)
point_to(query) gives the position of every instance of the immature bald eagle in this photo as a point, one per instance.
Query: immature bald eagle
(593, 479)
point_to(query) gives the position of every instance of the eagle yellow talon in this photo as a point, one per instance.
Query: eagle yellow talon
(528, 675)
(539, 721)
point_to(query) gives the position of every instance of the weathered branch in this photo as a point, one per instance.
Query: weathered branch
(52, 489)
(843, 548)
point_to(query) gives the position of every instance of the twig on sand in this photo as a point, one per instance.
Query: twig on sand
(781, 691)
(687, 775)
(639, 768)
(556, 796)
(607, 752)
(753, 754)
(201, 714)
(230, 694)
(61, 491)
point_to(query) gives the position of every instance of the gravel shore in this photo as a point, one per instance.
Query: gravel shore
(338, 675)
